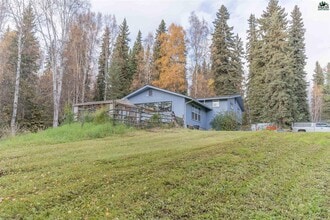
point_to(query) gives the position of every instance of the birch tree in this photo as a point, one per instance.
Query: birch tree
(54, 19)
(16, 9)
(80, 54)
(198, 34)
(3, 14)
(148, 59)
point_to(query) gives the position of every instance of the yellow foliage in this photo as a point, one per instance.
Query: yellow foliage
(173, 60)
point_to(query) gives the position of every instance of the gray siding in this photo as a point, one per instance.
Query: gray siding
(180, 106)
(224, 105)
(202, 123)
(183, 106)
(159, 96)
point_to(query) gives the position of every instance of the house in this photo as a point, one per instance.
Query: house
(221, 104)
(195, 113)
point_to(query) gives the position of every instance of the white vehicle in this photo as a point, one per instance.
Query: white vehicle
(310, 127)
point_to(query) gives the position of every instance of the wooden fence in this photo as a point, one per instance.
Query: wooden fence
(142, 118)
(129, 114)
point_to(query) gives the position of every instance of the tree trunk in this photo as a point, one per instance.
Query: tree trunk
(17, 81)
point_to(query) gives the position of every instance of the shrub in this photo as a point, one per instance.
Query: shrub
(68, 115)
(4, 131)
(225, 122)
(155, 120)
(101, 116)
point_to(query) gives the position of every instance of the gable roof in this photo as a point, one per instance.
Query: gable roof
(237, 97)
(146, 87)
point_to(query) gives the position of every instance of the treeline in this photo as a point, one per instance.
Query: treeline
(320, 97)
(276, 85)
(55, 53)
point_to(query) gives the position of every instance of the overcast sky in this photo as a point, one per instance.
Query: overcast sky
(145, 15)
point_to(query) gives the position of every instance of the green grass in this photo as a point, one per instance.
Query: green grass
(164, 174)
(66, 133)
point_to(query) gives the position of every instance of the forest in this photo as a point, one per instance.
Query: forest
(56, 53)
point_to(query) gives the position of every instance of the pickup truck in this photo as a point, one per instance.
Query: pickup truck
(310, 127)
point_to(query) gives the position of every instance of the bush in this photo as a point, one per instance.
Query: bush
(155, 121)
(4, 131)
(68, 115)
(225, 122)
(100, 116)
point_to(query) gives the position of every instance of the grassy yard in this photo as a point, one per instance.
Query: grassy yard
(101, 172)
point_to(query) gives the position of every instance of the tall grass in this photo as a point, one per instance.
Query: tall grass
(66, 133)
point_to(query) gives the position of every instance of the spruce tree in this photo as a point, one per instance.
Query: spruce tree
(326, 96)
(279, 98)
(120, 76)
(29, 112)
(317, 93)
(157, 54)
(237, 63)
(255, 81)
(102, 77)
(297, 45)
(29, 116)
(318, 77)
(8, 54)
(227, 80)
(136, 62)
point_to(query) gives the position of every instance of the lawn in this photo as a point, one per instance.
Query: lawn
(101, 172)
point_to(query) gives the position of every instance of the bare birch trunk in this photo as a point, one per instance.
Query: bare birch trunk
(17, 81)
(85, 72)
(57, 91)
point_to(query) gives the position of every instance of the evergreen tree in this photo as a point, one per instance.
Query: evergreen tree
(227, 80)
(120, 76)
(326, 96)
(137, 63)
(318, 77)
(255, 81)
(29, 113)
(237, 63)
(317, 93)
(102, 77)
(297, 45)
(279, 95)
(157, 54)
(7, 78)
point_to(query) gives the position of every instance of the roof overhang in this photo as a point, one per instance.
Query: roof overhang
(187, 98)
(238, 98)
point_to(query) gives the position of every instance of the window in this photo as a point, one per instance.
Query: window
(157, 106)
(320, 124)
(215, 103)
(196, 113)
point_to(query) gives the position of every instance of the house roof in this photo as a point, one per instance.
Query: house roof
(237, 97)
(146, 87)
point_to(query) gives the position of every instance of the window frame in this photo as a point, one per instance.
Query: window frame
(195, 113)
(157, 106)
